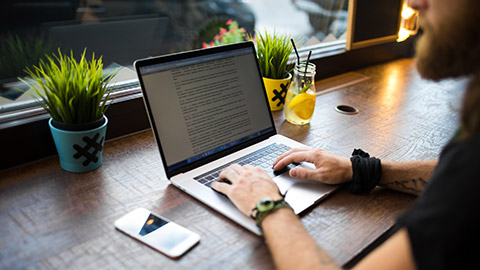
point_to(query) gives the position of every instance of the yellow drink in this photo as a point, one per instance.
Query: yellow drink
(300, 99)
(299, 107)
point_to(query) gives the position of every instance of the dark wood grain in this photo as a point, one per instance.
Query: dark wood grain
(52, 219)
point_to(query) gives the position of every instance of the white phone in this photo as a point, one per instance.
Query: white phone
(157, 232)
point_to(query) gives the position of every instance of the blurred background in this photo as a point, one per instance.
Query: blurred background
(125, 30)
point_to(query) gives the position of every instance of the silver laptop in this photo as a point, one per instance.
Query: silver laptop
(208, 108)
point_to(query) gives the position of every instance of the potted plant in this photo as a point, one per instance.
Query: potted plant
(273, 51)
(76, 95)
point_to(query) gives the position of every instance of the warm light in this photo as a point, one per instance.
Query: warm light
(150, 221)
(403, 34)
(391, 95)
(409, 23)
(407, 12)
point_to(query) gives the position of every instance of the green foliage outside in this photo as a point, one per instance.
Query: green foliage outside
(208, 32)
(233, 34)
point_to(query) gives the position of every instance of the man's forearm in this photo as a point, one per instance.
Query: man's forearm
(290, 244)
(409, 177)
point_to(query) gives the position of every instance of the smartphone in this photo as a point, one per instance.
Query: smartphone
(157, 232)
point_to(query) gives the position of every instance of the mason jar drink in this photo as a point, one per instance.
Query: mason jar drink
(300, 100)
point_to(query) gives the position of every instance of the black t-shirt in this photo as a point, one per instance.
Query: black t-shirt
(444, 224)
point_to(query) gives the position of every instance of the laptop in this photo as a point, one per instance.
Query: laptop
(208, 109)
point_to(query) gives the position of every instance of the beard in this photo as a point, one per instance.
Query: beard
(455, 50)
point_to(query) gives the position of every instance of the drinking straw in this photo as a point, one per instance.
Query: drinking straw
(306, 66)
(308, 59)
(296, 52)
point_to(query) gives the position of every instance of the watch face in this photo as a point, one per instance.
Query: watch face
(265, 205)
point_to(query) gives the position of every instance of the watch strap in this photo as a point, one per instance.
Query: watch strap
(259, 216)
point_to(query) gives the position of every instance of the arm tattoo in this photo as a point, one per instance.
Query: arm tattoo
(411, 186)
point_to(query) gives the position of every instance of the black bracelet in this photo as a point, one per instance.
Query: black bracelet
(366, 172)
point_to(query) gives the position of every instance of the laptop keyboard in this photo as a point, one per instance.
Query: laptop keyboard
(262, 158)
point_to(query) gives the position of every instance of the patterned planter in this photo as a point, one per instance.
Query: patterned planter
(79, 151)
(277, 91)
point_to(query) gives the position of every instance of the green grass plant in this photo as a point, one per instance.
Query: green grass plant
(72, 92)
(273, 51)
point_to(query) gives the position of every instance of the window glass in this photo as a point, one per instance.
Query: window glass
(124, 30)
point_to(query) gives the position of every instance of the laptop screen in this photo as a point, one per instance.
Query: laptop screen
(202, 103)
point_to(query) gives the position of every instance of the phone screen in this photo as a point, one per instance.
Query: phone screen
(157, 232)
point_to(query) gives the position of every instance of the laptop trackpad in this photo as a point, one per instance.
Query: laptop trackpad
(303, 194)
(284, 181)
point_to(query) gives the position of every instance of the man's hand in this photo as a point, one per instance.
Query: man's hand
(330, 168)
(248, 186)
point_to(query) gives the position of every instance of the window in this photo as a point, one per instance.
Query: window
(125, 30)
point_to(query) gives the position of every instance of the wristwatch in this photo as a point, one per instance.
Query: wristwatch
(265, 207)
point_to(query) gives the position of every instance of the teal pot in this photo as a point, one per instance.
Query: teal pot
(79, 150)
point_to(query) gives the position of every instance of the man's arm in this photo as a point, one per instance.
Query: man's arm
(293, 248)
(291, 245)
(409, 177)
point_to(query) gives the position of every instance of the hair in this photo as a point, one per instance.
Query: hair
(470, 114)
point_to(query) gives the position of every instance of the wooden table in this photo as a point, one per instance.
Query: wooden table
(52, 219)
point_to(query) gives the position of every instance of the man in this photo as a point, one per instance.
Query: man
(441, 230)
